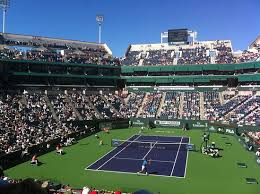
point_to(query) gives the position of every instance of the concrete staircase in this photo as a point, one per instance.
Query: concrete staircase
(225, 101)
(160, 105)
(126, 99)
(73, 108)
(238, 107)
(142, 105)
(54, 115)
(110, 105)
(181, 104)
(240, 103)
(250, 113)
(221, 98)
(93, 107)
(141, 62)
(202, 110)
(23, 100)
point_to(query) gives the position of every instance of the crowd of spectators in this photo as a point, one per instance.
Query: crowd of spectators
(227, 97)
(251, 119)
(254, 135)
(222, 110)
(132, 58)
(50, 51)
(248, 56)
(7, 180)
(29, 119)
(241, 111)
(224, 54)
(25, 121)
(62, 107)
(117, 102)
(196, 55)
(104, 109)
(151, 105)
(171, 106)
(81, 103)
(33, 186)
(81, 56)
(134, 103)
(211, 101)
(191, 106)
(219, 52)
(163, 57)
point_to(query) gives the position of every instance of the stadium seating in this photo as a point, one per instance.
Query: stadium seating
(252, 118)
(105, 109)
(222, 110)
(53, 50)
(202, 52)
(62, 107)
(132, 58)
(133, 104)
(151, 105)
(243, 110)
(82, 104)
(191, 106)
(196, 55)
(26, 120)
(155, 57)
(211, 101)
(170, 108)
(50, 186)
(33, 118)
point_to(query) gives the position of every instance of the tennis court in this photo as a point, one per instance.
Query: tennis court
(168, 156)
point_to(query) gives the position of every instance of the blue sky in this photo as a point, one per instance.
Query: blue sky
(136, 21)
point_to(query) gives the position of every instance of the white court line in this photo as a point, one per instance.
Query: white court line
(164, 136)
(186, 161)
(117, 153)
(121, 172)
(142, 159)
(149, 150)
(176, 157)
(143, 140)
(106, 154)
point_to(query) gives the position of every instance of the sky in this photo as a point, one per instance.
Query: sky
(136, 21)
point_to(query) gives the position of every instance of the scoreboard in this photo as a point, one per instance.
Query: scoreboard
(177, 35)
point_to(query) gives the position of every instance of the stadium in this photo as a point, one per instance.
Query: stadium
(177, 116)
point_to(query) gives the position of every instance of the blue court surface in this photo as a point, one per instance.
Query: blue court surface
(164, 162)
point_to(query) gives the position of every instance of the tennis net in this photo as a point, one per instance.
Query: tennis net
(152, 145)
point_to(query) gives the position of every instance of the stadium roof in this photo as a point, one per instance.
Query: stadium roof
(57, 41)
(256, 41)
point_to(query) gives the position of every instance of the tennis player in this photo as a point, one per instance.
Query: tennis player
(144, 167)
(101, 142)
(141, 130)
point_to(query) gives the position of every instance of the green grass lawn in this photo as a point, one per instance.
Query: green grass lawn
(205, 175)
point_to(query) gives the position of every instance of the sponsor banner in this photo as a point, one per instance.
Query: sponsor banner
(168, 123)
(199, 125)
(212, 128)
(174, 88)
(230, 131)
(138, 122)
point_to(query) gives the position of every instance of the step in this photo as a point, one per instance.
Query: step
(55, 117)
(142, 105)
(161, 105)
(73, 108)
